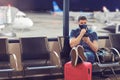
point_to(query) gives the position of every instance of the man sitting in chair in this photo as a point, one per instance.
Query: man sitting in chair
(83, 42)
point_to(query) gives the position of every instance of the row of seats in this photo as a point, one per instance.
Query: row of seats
(35, 55)
(114, 41)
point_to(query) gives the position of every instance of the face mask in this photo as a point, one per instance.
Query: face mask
(83, 26)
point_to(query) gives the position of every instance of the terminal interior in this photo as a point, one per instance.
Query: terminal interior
(20, 33)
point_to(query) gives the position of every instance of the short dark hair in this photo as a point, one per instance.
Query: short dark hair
(82, 18)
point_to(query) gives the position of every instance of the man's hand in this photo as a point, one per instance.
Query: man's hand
(93, 44)
(83, 31)
(86, 39)
(75, 41)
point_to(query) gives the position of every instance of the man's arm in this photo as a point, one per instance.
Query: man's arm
(93, 45)
(75, 41)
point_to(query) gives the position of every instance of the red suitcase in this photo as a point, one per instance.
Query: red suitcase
(82, 71)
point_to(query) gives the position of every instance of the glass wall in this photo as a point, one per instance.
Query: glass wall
(26, 18)
(30, 18)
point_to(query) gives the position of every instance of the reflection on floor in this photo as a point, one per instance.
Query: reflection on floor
(95, 76)
(107, 76)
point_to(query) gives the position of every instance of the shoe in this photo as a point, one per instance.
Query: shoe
(80, 50)
(74, 56)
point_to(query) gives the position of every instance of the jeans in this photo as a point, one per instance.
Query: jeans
(90, 56)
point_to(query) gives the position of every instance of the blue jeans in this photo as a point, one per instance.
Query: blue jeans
(90, 56)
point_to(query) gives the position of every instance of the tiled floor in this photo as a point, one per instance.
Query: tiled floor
(111, 77)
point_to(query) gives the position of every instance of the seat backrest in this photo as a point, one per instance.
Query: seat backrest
(61, 42)
(4, 46)
(33, 48)
(4, 50)
(115, 41)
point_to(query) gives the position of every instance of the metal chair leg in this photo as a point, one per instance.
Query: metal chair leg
(102, 73)
(114, 73)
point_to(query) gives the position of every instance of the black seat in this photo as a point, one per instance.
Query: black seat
(107, 65)
(35, 54)
(64, 49)
(114, 39)
(5, 66)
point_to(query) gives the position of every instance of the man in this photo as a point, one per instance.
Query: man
(83, 42)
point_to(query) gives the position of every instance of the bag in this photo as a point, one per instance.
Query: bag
(105, 55)
(65, 53)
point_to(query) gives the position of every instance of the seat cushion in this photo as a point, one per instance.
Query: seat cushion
(35, 56)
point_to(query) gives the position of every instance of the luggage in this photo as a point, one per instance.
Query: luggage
(105, 55)
(82, 71)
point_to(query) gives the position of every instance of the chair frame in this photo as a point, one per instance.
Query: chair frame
(11, 69)
(102, 67)
(39, 67)
(110, 65)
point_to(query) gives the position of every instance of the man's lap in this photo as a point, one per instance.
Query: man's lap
(90, 56)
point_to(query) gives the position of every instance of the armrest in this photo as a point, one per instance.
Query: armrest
(57, 58)
(115, 51)
(98, 60)
(15, 59)
(116, 54)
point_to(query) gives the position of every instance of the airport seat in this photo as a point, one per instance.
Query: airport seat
(5, 65)
(35, 55)
(64, 49)
(101, 66)
(108, 65)
(114, 40)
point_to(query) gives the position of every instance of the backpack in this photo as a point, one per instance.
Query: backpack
(105, 55)
(65, 53)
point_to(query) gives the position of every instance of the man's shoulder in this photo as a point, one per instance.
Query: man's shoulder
(91, 31)
(74, 32)
(77, 29)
